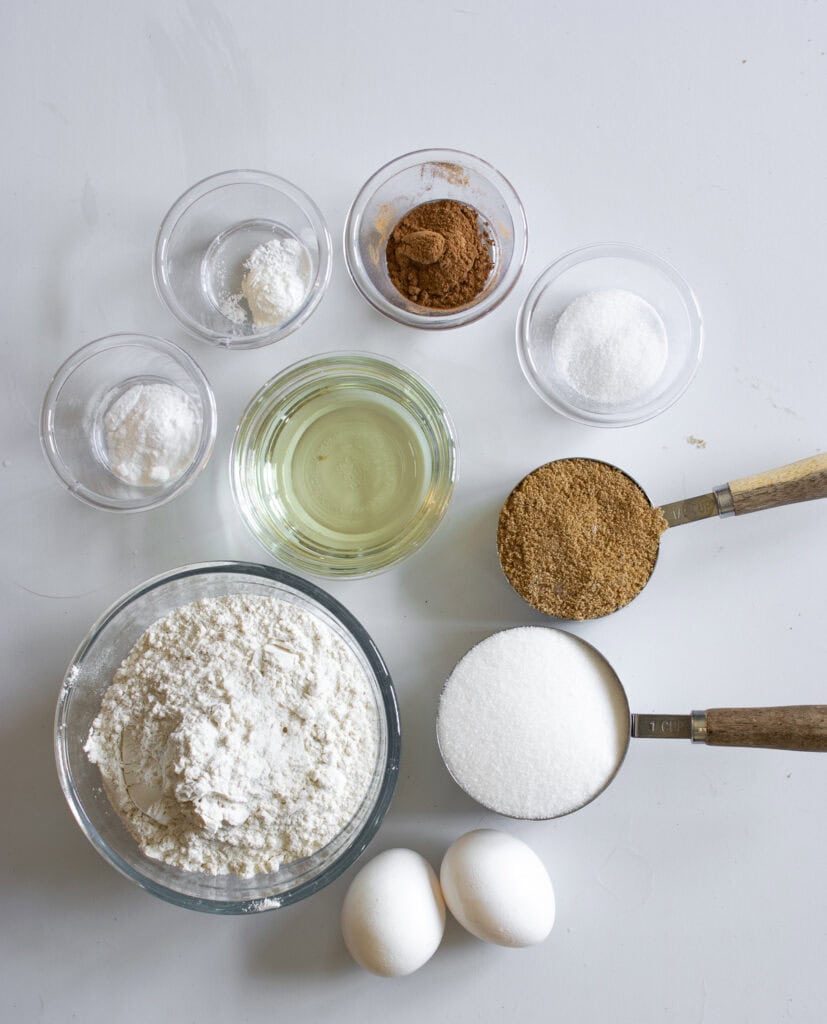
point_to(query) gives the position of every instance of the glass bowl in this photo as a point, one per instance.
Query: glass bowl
(209, 232)
(426, 176)
(90, 673)
(343, 464)
(81, 392)
(594, 268)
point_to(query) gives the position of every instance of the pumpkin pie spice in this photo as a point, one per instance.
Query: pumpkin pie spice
(439, 256)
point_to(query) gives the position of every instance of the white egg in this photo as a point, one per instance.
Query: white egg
(393, 917)
(498, 888)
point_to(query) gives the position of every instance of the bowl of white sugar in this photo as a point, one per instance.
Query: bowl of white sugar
(242, 259)
(227, 736)
(128, 422)
(610, 335)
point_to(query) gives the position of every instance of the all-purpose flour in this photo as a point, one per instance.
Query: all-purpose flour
(238, 734)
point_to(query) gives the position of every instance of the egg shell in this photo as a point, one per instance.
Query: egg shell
(393, 916)
(497, 887)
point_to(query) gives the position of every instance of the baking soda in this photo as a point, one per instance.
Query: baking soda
(609, 347)
(151, 433)
(533, 722)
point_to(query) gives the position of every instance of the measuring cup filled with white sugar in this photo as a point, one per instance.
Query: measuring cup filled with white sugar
(534, 723)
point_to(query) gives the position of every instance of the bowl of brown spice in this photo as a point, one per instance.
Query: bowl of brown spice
(435, 239)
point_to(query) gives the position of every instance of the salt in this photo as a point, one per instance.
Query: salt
(533, 722)
(609, 347)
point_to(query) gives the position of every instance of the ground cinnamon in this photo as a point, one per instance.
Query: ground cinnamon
(578, 538)
(439, 256)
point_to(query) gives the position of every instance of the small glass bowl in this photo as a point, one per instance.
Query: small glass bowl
(78, 396)
(88, 677)
(426, 176)
(209, 232)
(594, 268)
(262, 462)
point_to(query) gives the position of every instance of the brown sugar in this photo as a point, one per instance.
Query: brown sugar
(438, 256)
(578, 538)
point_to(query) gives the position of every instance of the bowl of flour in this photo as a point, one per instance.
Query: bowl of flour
(227, 736)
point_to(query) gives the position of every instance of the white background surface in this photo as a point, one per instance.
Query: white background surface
(693, 890)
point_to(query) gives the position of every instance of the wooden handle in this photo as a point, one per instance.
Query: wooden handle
(803, 727)
(800, 481)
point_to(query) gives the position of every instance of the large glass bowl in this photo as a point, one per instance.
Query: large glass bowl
(426, 176)
(89, 675)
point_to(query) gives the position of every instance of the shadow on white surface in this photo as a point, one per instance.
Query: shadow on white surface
(44, 854)
(300, 940)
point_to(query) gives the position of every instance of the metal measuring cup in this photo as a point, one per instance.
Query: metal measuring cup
(796, 727)
(799, 481)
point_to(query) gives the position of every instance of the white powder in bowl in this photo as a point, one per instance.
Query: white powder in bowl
(533, 722)
(238, 734)
(275, 283)
(151, 433)
(609, 347)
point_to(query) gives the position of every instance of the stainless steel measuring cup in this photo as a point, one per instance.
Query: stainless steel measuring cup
(478, 766)
(799, 481)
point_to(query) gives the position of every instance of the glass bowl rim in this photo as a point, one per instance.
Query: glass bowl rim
(618, 250)
(88, 351)
(389, 706)
(196, 192)
(345, 359)
(443, 320)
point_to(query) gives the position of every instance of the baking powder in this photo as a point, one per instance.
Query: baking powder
(275, 284)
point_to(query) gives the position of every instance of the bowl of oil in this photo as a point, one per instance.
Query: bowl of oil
(343, 464)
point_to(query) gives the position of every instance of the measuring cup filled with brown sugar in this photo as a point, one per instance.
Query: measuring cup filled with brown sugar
(534, 722)
(579, 538)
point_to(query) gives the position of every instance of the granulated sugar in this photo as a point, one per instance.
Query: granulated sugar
(533, 722)
(609, 346)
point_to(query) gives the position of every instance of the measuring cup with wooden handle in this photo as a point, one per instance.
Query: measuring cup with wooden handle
(794, 727)
(569, 580)
(799, 481)
(499, 754)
